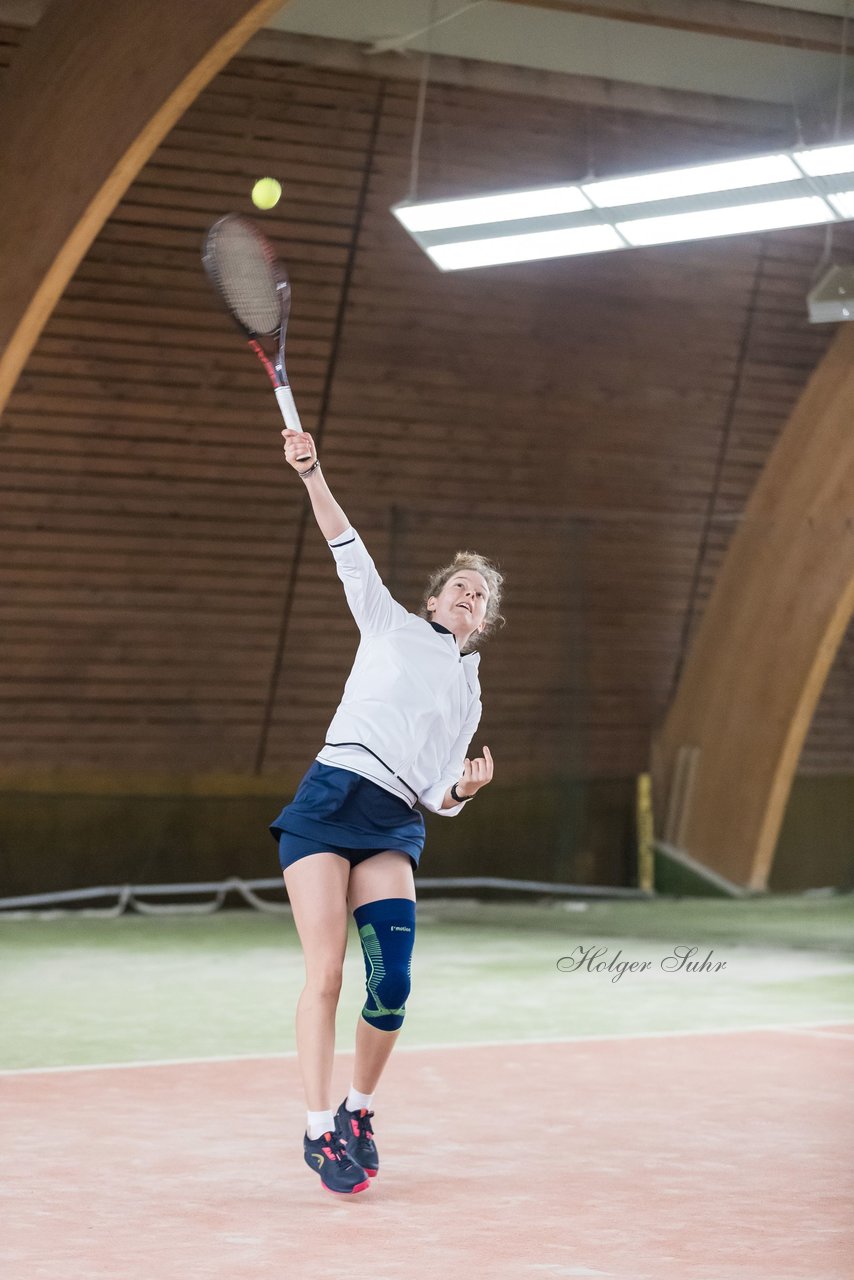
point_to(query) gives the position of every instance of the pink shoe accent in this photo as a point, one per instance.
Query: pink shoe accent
(360, 1186)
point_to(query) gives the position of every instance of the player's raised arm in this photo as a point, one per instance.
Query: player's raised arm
(302, 456)
(370, 600)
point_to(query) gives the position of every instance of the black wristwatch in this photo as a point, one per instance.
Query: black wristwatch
(459, 799)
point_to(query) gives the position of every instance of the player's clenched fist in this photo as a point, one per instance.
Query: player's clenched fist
(476, 774)
(299, 444)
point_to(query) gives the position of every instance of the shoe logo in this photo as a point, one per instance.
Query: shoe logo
(319, 1158)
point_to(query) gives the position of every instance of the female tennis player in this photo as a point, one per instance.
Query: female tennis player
(352, 835)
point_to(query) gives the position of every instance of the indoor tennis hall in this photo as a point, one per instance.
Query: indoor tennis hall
(563, 289)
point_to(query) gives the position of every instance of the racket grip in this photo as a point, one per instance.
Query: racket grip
(285, 397)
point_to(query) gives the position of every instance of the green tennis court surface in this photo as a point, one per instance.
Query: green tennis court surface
(78, 990)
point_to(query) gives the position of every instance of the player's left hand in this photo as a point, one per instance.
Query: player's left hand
(476, 774)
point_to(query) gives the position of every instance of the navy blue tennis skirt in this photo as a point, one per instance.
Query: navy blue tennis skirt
(338, 811)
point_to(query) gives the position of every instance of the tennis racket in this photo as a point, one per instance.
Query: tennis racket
(243, 268)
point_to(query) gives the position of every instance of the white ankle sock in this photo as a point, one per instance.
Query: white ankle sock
(355, 1100)
(318, 1123)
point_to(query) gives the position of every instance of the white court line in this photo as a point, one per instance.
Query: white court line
(794, 1027)
(818, 1031)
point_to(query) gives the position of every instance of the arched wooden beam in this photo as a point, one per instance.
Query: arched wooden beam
(776, 616)
(93, 91)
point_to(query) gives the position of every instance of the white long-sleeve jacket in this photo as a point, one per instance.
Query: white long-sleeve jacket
(411, 703)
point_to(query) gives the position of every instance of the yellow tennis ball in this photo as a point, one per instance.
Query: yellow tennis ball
(266, 193)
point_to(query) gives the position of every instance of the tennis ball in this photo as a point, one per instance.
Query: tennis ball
(266, 193)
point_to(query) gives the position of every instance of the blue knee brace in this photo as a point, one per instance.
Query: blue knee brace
(387, 934)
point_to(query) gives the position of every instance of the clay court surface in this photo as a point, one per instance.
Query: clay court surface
(715, 1150)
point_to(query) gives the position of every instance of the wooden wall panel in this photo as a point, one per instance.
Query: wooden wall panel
(11, 40)
(596, 424)
(780, 351)
(147, 532)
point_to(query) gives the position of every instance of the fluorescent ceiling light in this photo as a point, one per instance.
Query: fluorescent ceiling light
(538, 244)
(700, 180)
(760, 193)
(766, 216)
(485, 209)
(821, 161)
(843, 203)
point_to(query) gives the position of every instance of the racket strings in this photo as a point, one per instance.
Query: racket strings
(242, 268)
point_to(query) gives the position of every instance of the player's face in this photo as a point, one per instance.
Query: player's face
(461, 604)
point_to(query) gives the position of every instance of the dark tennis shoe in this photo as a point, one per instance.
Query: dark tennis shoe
(327, 1155)
(354, 1128)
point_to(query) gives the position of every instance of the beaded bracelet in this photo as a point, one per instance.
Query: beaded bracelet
(305, 474)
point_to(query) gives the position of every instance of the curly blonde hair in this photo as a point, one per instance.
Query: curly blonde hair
(494, 580)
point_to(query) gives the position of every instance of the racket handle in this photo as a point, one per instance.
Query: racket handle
(285, 397)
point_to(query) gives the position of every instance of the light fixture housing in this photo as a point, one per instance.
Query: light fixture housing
(797, 188)
(832, 299)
